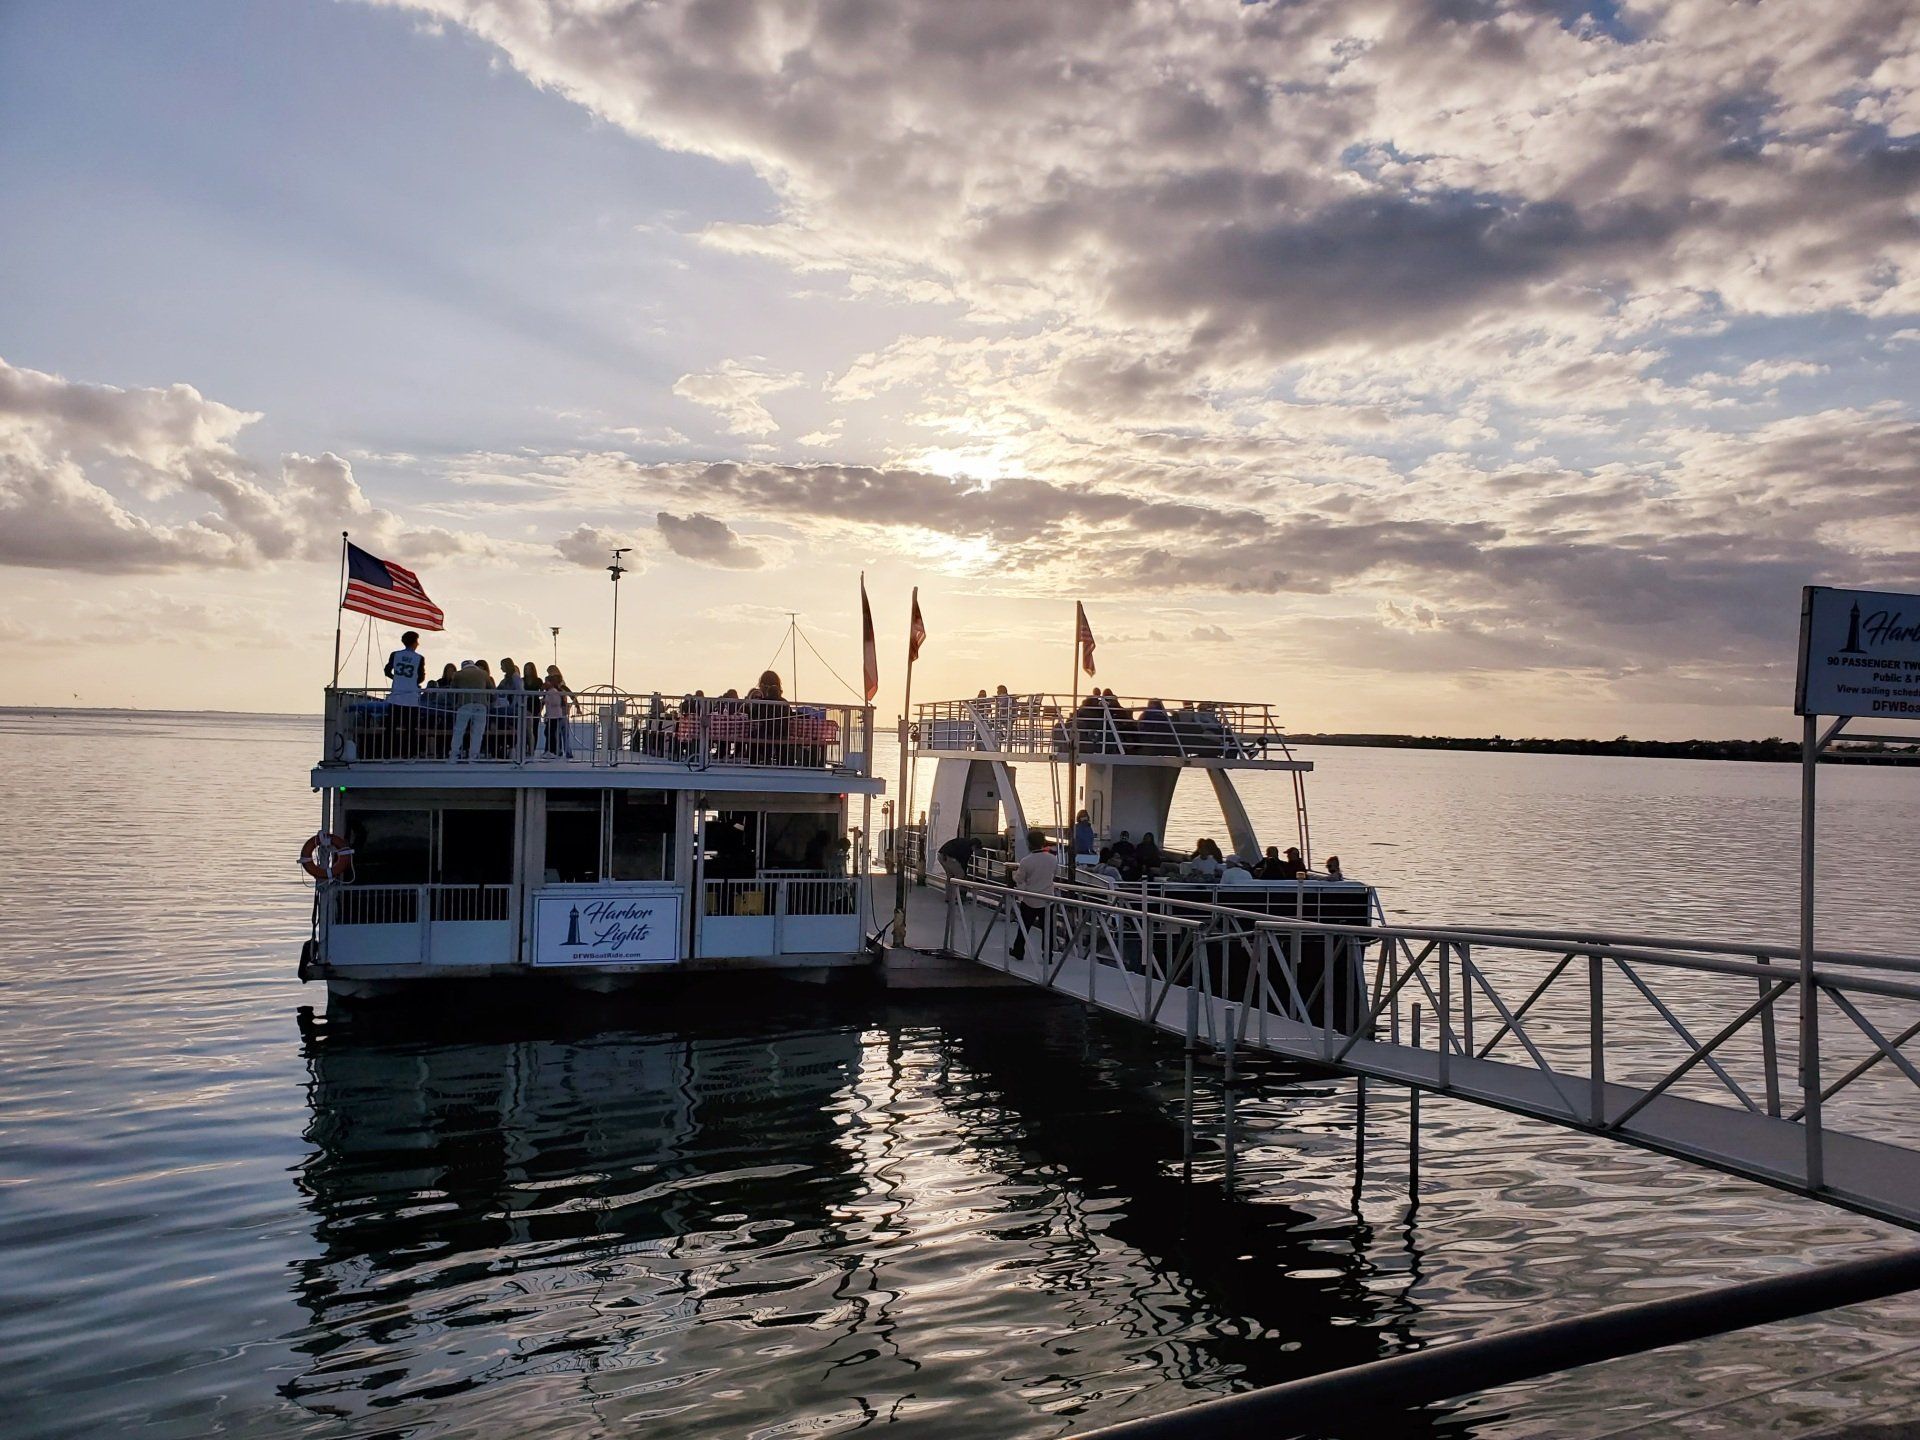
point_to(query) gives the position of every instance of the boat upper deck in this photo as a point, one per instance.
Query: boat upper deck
(647, 739)
(1127, 730)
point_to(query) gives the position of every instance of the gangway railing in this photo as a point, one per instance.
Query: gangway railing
(1691, 1048)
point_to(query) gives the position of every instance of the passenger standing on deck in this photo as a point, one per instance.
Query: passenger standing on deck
(956, 855)
(406, 668)
(530, 687)
(471, 684)
(1084, 839)
(1033, 877)
(509, 700)
(556, 702)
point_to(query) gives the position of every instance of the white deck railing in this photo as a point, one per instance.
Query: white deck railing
(1047, 724)
(606, 728)
(409, 904)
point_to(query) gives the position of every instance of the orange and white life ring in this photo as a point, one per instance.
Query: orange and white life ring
(326, 856)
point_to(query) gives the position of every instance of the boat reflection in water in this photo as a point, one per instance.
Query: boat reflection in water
(966, 1214)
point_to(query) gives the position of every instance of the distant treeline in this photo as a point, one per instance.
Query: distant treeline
(1772, 748)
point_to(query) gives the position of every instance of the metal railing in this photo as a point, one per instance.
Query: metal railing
(1690, 1047)
(605, 728)
(1046, 724)
(406, 904)
(782, 895)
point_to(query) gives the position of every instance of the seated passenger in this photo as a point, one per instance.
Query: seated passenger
(1106, 869)
(1333, 868)
(1147, 855)
(1155, 728)
(1206, 863)
(1237, 872)
(1296, 867)
(1271, 866)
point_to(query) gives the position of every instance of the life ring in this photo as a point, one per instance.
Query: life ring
(335, 856)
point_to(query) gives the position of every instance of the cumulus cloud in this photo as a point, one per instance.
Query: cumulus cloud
(736, 390)
(707, 540)
(93, 477)
(587, 545)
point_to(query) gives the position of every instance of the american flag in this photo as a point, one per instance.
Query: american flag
(385, 591)
(1083, 632)
(917, 631)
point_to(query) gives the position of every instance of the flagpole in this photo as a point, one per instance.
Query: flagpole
(904, 805)
(1073, 747)
(339, 603)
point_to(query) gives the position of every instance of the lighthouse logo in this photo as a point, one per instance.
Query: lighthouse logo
(573, 927)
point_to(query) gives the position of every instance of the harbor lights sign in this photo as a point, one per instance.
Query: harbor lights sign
(1859, 654)
(598, 927)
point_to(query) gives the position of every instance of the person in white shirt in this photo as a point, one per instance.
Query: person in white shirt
(556, 708)
(1033, 876)
(406, 668)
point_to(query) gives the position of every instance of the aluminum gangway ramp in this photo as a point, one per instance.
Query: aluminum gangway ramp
(1674, 1046)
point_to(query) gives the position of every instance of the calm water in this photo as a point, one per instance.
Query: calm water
(223, 1212)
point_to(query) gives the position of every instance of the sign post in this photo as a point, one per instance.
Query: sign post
(1859, 658)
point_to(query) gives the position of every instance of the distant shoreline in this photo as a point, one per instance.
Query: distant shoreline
(1772, 751)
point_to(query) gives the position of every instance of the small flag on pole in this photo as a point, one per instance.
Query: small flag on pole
(916, 631)
(387, 592)
(1084, 633)
(872, 654)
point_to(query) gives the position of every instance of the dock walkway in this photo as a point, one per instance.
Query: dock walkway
(1672, 1046)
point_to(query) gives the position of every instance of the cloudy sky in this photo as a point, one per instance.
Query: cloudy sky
(1429, 365)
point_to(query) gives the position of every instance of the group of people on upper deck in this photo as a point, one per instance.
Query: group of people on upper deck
(478, 714)
(1103, 724)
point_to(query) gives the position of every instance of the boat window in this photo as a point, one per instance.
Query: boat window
(642, 830)
(391, 847)
(733, 844)
(573, 838)
(476, 847)
(801, 842)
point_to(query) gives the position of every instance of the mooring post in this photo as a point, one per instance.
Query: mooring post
(1359, 1139)
(1596, 1041)
(1193, 1048)
(1228, 1086)
(1413, 1124)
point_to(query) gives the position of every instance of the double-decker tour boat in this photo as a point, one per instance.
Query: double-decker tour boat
(642, 835)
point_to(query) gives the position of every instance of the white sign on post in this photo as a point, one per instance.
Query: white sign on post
(607, 927)
(1859, 654)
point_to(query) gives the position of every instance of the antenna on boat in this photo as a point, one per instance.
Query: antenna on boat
(793, 649)
(616, 570)
(556, 645)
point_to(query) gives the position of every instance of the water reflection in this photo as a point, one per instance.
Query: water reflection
(713, 1223)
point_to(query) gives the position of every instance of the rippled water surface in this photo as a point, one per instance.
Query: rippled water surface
(766, 1210)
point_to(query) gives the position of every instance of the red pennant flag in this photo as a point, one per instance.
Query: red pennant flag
(1084, 633)
(916, 631)
(872, 655)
